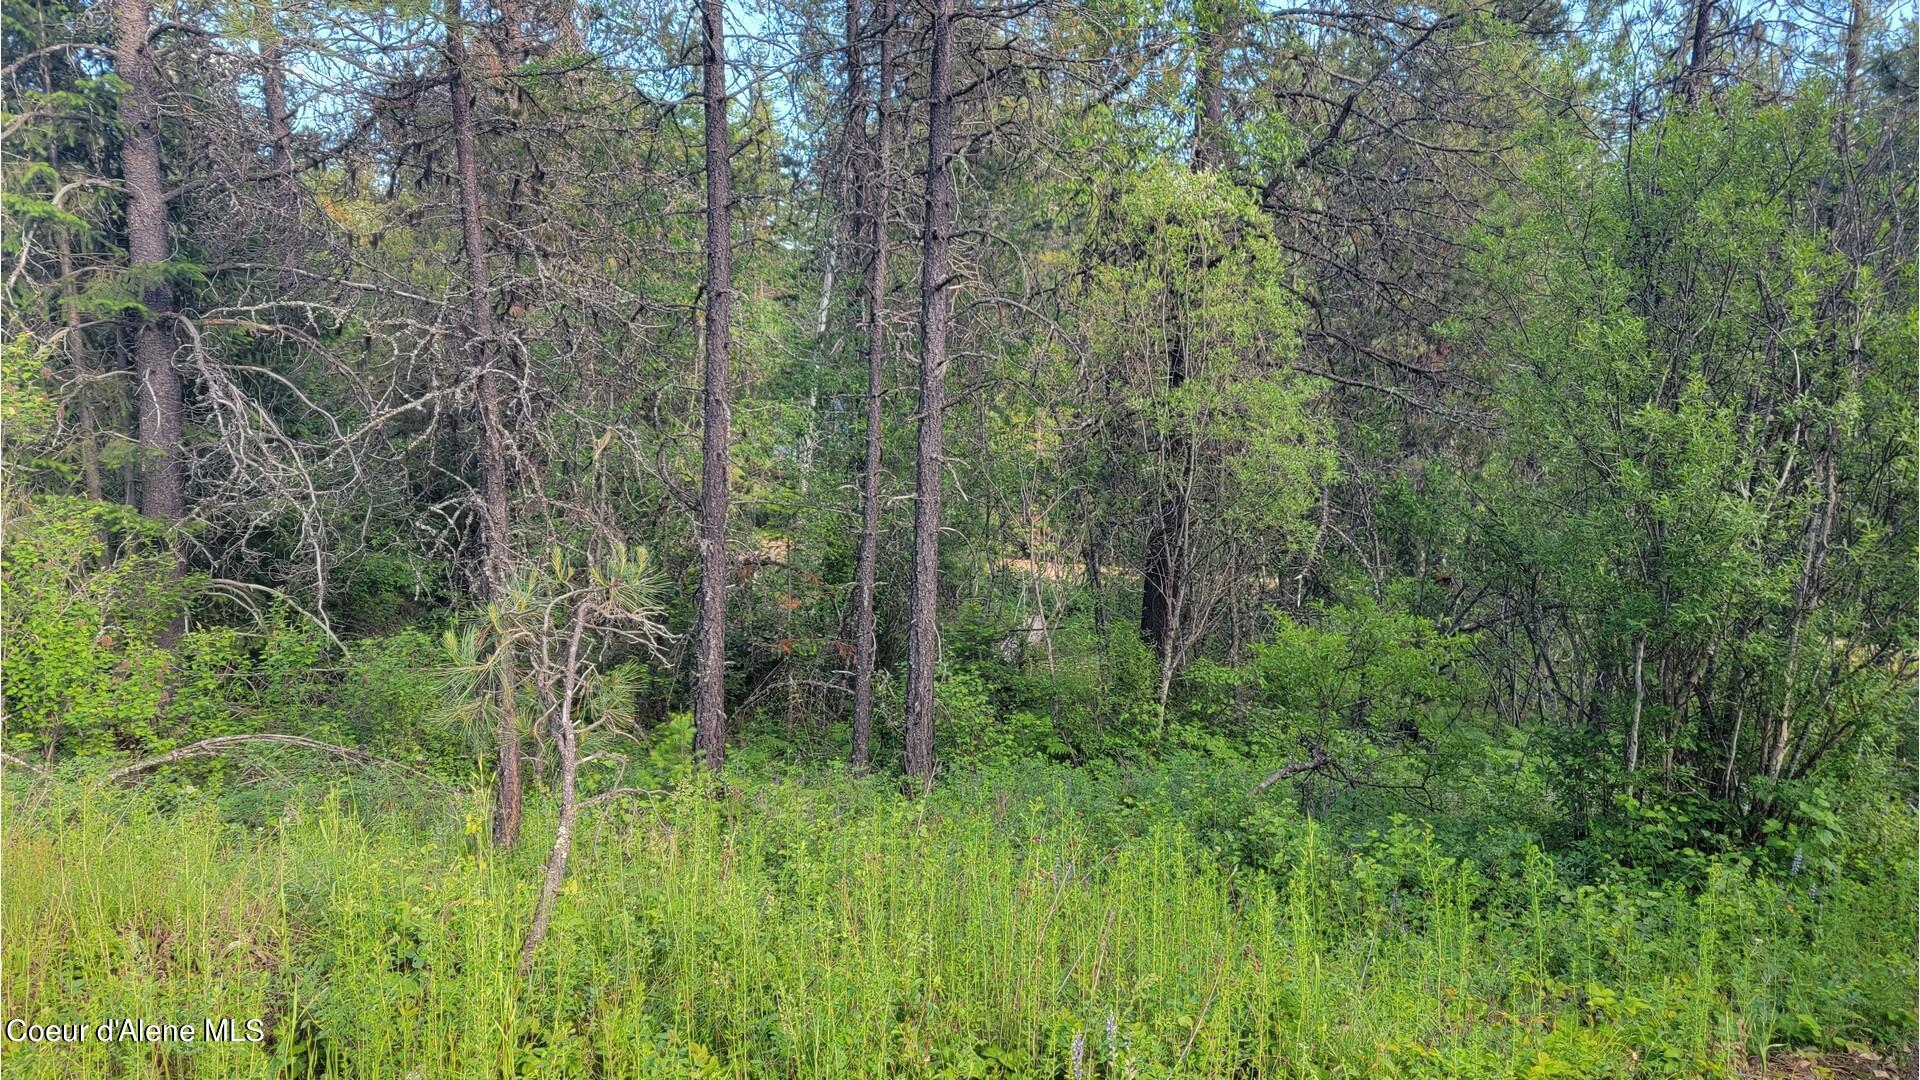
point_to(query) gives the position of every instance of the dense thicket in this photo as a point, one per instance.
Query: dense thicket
(1502, 412)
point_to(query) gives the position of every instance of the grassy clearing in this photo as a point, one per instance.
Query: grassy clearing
(837, 930)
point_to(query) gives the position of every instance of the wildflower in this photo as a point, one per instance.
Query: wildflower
(1798, 861)
(1079, 1069)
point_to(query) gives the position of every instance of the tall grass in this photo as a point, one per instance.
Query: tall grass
(835, 930)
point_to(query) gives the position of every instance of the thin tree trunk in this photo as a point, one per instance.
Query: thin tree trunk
(1163, 579)
(922, 635)
(1733, 750)
(507, 802)
(1160, 583)
(273, 81)
(82, 371)
(865, 644)
(1313, 549)
(810, 442)
(1091, 551)
(1212, 31)
(569, 747)
(710, 630)
(1639, 699)
(1849, 81)
(159, 404)
(1807, 600)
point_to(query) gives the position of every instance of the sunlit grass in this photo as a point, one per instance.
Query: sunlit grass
(833, 930)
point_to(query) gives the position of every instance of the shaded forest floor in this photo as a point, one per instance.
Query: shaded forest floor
(833, 928)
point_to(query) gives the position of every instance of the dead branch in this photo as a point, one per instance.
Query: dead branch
(615, 793)
(1318, 761)
(21, 763)
(209, 747)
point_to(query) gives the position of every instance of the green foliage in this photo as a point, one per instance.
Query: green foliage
(28, 413)
(1538, 478)
(976, 732)
(81, 620)
(839, 929)
(90, 596)
(1363, 671)
(1685, 449)
(1186, 302)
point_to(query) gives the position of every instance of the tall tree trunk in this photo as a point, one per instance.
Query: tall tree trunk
(865, 644)
(163, 469)
(1212, 30)
(923, 639)
(1849, 80)
(710, 629)
(273, 83)
(507, 804)
(1163, 578)
(1694, 77)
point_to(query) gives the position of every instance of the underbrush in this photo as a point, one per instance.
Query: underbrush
(833, 928)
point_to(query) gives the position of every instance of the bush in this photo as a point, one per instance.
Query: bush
(835, 928)
(87, 591)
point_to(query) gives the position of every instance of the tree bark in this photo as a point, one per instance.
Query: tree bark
(507, 803)
(923, 639)
(1694, 76)
(273, 90)
(569, 747)
(1163, 579)
(1639, 700)
(874, 198)
(160, 407)
(710, 629)
(1211, 30)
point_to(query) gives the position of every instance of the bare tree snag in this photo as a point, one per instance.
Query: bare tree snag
(569, 746)
(84, 374)
(710, 625)
(1639, 700)
(483, 337)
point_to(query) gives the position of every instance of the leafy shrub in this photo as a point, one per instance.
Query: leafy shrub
(834, 928)
(86, 593)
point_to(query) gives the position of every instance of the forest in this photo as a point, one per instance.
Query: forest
(959, 538)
